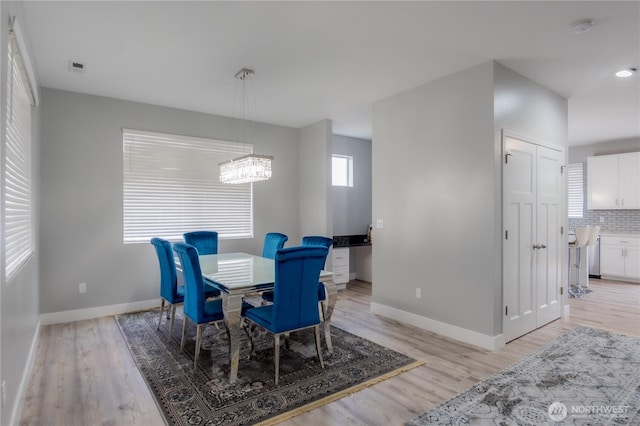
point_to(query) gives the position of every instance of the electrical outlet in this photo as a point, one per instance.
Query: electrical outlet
(418, 293)
(379, 223)
(4, 393)
(82, 288)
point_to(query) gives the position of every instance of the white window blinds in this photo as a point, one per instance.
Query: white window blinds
(17, 210)
(171, 186)
(575, 189)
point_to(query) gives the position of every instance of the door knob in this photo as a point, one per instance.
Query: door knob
(543, 246)
(535, 246)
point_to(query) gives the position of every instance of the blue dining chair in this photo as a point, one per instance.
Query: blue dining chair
(319, 241)
(310, 241)
(295, 301)
(273, 241)
(206, 242)
(170, 292)
(196, 306)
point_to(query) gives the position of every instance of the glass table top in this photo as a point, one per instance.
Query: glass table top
(241, 271)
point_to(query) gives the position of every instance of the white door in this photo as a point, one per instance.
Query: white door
(519, 218)
(532, 216)
(549, 239)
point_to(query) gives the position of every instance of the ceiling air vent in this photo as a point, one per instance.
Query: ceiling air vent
(76, 66)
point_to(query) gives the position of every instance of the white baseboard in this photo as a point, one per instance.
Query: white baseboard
(491, 343)
(16, 410)
(97, 312)
(614, 278)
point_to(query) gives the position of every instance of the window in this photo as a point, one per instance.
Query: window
(16, 168)
(341, 170)
(171, 186)
(575, 191)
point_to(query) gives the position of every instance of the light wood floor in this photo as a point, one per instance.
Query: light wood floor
(84, 374)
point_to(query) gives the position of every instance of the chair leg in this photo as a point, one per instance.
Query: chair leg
(276, 355)
(173, 317)
(161, 310)
(318, 344)
(184, 331)
(323, 308)
(198, 342)
(286, 340)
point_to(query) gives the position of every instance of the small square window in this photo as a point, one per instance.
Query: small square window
(342, 170)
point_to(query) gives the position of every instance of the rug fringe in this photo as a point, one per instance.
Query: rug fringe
(338, 395)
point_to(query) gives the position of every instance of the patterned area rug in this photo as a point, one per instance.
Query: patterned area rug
(586, 377)
(204, 396)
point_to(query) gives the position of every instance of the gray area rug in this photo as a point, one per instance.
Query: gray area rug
(204, 396)
(586, 377)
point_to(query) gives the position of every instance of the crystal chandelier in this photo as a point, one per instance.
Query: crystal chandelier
(250, 167)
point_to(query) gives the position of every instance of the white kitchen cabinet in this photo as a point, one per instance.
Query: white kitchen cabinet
(630, 180)
(340, 265)
(620, 256)
(613, 181)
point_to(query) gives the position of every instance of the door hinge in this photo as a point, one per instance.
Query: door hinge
(506, 234)
(561, 170)
(561, 291)
(506, 158)
(506, 310)
(562, 230)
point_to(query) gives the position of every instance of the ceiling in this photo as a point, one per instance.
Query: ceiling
(333, 60)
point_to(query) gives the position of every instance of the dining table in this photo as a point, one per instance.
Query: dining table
(240, 274)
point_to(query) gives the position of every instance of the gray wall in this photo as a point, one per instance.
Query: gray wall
(433, 185)
(351, 206)
(437, 186)
(19, 297)
(579, 154)
(81, 236)
(314, 166)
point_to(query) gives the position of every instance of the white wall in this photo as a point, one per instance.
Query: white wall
(19, 297)
(437, 186)
(81, 239)
(351, 206)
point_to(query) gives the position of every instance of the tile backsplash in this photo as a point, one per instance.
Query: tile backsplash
(614, 220)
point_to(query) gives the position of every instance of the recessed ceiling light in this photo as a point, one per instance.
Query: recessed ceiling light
(582, 26)
(626, 73)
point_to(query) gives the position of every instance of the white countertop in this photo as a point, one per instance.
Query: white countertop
(619, 233)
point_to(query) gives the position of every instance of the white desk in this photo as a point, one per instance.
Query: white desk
(237, 274)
